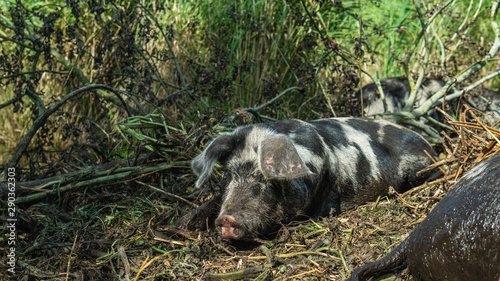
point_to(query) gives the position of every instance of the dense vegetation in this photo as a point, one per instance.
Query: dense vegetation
(86, 83)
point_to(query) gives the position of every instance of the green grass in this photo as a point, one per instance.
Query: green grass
(234, 54)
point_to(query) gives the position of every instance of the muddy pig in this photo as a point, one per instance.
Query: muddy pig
(280, 170)
(459, 239)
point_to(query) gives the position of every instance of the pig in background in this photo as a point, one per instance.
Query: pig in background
(282, 170)
(487, 101)
(458, 240)
(397, 91)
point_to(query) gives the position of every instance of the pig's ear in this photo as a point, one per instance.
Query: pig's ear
(279, 159)
(218, 150)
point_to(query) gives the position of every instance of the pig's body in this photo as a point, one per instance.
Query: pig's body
(459, 240)
(487, 101)
(396, 92)
(288, 168)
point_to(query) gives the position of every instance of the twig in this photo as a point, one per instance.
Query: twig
(147, 263)
(433, 160)
(269, 255)
(240, 274)
(282, 56)
(374, 61)
(121, 165)
(474, 126)
(438, 123)
(377, 78)
(427, 184)
(408, 118)
(487, 129)
(7, 103)
(443, 52)
(410, 54)
(434, 198)
(398, 196)
(51, 246)
(290, 255)
(69, 257)
(469, 88)
(254, 110)
(303, 273)
(111, 179)
(421, 110)
(170, 241)
(123, 256)
(86, 81)
(436, 164)
(415, 87)
(169, 194)
(222, 247)
(463, 24)
(323, 40)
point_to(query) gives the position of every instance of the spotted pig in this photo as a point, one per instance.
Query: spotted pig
(396, 91)
(281, 170)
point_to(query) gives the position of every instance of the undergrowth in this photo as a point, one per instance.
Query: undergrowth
(165, 78)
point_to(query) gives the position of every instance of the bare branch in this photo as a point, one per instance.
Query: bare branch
(469, 88)
(463, 24)
(377, 80)
(443, 53)
(42, 119)
(415, 87)
(7, 103)
(254, 110)
(467, 73)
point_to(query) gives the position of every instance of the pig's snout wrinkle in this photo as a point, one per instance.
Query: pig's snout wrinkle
(227, 226)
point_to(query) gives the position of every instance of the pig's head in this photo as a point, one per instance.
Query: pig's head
(267, 180)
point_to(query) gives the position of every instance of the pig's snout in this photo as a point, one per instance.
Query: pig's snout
(228, 227)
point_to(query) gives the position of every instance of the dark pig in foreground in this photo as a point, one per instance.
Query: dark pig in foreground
(459, 239)
(278, 171)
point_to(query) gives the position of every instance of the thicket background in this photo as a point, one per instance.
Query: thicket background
(85, 83)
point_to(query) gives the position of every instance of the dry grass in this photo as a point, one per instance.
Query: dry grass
(117, 232)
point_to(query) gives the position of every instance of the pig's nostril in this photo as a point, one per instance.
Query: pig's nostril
(228, 227)
(225, 220)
